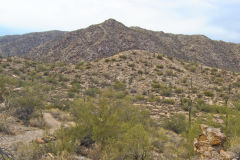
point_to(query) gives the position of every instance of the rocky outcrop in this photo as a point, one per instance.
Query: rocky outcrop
(209, 145)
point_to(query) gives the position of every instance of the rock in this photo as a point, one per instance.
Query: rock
(214, 136)
(209, 145)
(46, 139)
(228, 155)
(39, 141)
(80, 158)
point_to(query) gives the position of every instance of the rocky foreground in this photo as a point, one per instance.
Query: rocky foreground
(210, 145)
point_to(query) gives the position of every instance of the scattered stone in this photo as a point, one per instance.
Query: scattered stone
(46, 139)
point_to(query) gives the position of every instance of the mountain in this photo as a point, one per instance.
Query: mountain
(21, 45)
(110, 37)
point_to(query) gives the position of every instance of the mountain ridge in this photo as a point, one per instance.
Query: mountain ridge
(111, 37)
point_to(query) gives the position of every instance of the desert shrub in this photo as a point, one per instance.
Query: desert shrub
(208, 93)
(92, 92)
(194, 90)
(123, 57)
(51, 79)
(62, 78)
(168, 101)
(170, 58)
(26, 103)
(70, 94)
(132, 65)
(139, 98)
(170, 73)
(159, 57)
(140, 72)
(160, 66)
(119, 86)
(41, 68)
(167, 92)
(213, 71)
(75, 88)
(178, 90)
(237, 105)
(4, 127)
(184, 80)
(5, 65)
(202, 106)
(156, 85)
(176, 123)
(6, 83)
(162, 89)
(121, 129)
(88, 66)
(1, 69)
(189, 135)
(217, 80)
(191, 67)
(233, 128)
(79, 65)
(106, 60)
(236, 84)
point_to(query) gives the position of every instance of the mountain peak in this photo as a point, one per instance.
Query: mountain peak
(112, 22)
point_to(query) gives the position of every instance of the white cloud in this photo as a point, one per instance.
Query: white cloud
(185, 16)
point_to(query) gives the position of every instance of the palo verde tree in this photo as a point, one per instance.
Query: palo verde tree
(121, 130)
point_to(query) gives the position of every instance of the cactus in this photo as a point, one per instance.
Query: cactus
(190, 114)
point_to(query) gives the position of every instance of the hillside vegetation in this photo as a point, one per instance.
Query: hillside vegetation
(133, 105)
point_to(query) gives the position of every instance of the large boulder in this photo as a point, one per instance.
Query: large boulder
(209, 145)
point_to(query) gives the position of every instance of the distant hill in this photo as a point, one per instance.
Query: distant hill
(111, 37)
(21, 45)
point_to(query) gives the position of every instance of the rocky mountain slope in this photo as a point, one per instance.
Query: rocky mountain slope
(20, 45)
(159, 82)
(162, 85)
(111, 37)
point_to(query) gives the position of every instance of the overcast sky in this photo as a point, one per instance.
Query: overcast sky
(217, 19)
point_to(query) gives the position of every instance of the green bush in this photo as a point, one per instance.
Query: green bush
(139, 98)
(208, 93)
(119, 86)
(92, 92)
(159, 57)
(167, 92)
(51, 79)
(237, 105)
(26, 103)
(106, 60)
(79, 65)
(168, 101)
(121, 129)
(123, 57)
(156, 85)
(178, 90)
(160, 66)
(191, 67)
(202, 106)
(176, 123)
